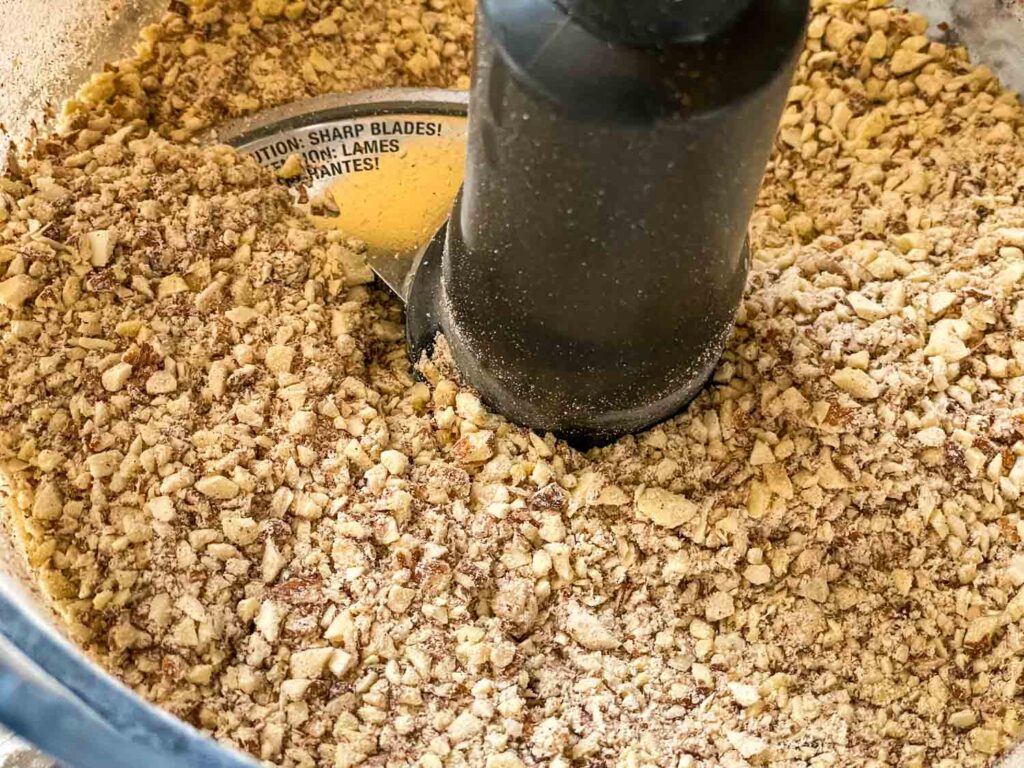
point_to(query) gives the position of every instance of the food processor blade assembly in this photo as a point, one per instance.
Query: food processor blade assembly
(588, 276)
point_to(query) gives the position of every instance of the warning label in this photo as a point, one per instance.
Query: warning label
(387, 180)
(356, 145)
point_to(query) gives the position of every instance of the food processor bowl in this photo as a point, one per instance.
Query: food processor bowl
(51, 692)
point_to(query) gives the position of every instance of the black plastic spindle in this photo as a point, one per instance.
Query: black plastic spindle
(590, 273)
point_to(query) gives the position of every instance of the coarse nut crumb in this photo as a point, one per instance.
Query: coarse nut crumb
(243, 504)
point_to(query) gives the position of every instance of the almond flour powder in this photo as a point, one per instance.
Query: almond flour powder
(233, 489)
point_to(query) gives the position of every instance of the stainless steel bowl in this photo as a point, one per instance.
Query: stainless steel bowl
(51, 692)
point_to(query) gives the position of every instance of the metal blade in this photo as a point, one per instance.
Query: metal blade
(383, 167)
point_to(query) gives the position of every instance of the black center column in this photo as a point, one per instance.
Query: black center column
(590, 274)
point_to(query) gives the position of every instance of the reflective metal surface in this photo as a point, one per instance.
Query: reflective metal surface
(396, 203)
